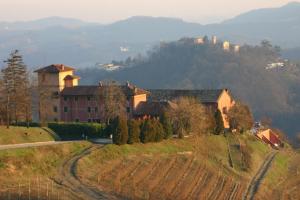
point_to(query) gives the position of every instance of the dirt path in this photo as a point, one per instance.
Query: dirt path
(256, 180)
(68, 178)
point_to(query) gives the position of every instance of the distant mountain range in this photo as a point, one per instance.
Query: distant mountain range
(74, 42)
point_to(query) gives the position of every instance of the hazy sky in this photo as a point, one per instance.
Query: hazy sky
(106, 11)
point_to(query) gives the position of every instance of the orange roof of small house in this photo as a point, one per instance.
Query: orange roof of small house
(269, 135)
(55, 68)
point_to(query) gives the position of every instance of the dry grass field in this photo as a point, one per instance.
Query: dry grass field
(34, 170)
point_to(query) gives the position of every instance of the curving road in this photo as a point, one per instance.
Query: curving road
(69, 178)
(256, 180)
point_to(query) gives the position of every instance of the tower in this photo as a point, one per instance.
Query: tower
(51, 81)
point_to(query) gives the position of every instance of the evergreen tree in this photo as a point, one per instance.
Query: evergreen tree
(120, 130)
(133, 131)
(219, 122)
(167, 126)
(17, 89)
(159, 132)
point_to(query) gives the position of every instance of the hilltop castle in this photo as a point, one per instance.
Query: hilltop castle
(63, 99)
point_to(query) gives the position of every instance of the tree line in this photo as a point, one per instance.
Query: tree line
(186, 116)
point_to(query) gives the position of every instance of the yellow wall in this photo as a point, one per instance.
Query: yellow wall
(61, 76)
(49, 84)
(225, 102)
(139, 98)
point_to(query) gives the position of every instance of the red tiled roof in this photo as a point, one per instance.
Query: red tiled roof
(128, 90)
(55, 68)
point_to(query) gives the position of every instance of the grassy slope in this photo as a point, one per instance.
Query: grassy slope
(211, 151)
(16, 135)
(23, 164)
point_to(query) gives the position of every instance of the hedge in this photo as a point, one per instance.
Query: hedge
(24, 124)
(78, 131)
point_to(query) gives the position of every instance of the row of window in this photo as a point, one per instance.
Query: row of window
(66, 109)
(76, 98)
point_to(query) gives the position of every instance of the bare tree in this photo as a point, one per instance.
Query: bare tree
(240, 117)
(114, 100)
(188, 116)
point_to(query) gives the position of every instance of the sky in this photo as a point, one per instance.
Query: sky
(108, 11)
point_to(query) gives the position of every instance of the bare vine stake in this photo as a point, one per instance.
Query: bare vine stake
(52, 188)
(29, 191)
(38, 187)
(47, 192)
(19, 191)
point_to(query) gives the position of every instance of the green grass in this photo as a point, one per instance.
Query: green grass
(279, 169)
(17, 135)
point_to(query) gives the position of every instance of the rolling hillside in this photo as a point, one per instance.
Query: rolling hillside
(184, 65)
(82, 44)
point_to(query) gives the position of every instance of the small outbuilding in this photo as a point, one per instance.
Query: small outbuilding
(270, 137)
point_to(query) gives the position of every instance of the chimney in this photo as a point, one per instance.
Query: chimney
(62, 67)
(127, 83)
(100, 83)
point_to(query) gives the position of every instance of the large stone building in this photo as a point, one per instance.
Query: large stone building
(62, 99)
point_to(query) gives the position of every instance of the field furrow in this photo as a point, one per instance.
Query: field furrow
(178, 172)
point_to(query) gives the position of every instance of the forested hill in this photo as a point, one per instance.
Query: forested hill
(271, 92)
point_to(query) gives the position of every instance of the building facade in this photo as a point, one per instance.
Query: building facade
(61, 98)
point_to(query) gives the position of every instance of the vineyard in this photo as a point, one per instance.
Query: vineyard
(206, 167)
(180, 176)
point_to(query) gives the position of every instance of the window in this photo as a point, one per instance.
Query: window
(89, 109)
(89, 120)
(96, 109)
(76, 120)
(65, 109)
(55, 119)
(76, 98)
(55, 109)
(43, 77)
(65, 98)
(128, 109)
(88, 98)
(224, 110)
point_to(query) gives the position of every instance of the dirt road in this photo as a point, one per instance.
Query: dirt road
(68, 178)
(256, 180)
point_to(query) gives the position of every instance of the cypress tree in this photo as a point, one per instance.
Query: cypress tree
(167, 126)
(120, 131)
(133, 131)
(219, 123)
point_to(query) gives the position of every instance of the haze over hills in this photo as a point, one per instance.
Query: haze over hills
(73, 42)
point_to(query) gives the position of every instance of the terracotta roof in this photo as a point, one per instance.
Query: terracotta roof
(55, 68)
(128, 90)
(71, 77)
(152, 108)
(205, 96)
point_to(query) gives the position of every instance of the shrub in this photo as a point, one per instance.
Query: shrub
(133, 131)
(167, 126)
(120, 130)
(76, 131)
(152, 131)
(25, 124)
(219, 129)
